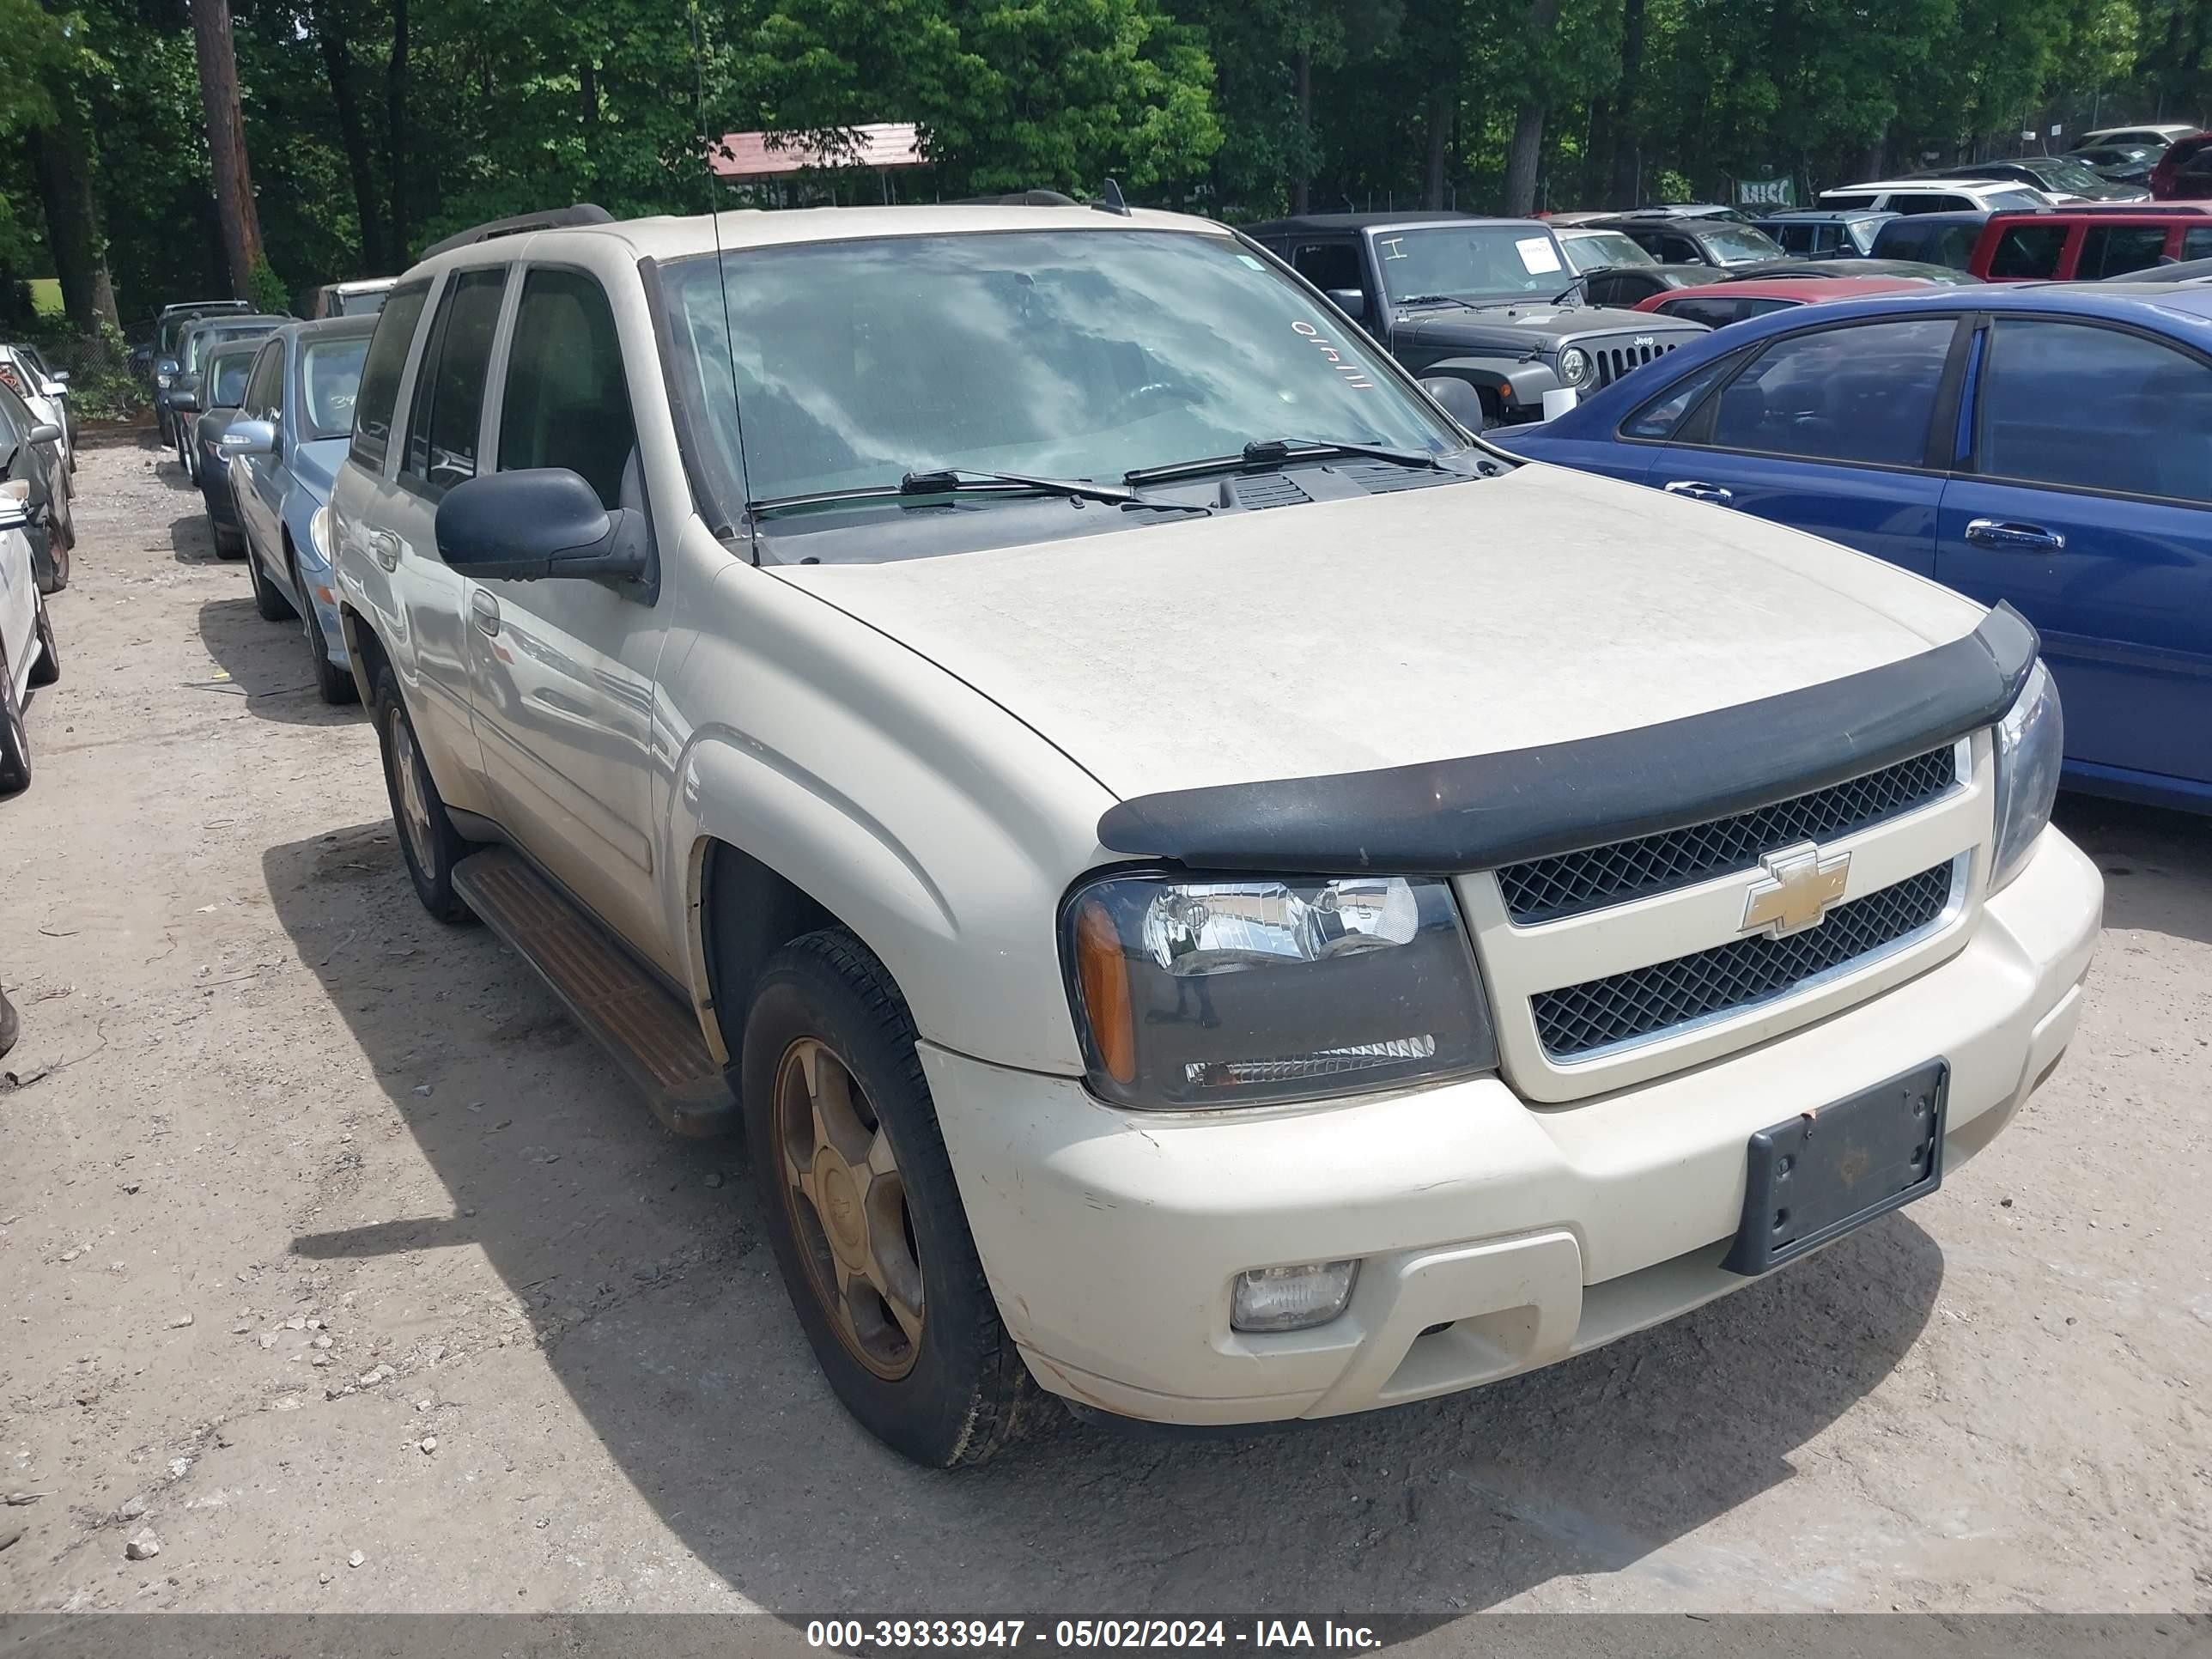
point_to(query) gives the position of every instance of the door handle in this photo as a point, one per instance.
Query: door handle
(484, 611)
(1699, 490)
(2015, 538)
(384, 548)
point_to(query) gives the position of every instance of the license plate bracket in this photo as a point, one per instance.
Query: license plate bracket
(1814, 1178)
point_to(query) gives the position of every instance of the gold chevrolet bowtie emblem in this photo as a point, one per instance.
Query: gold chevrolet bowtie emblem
(1796, 891)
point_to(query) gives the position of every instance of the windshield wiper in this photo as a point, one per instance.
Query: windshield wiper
(1435, 300)
(958, 480)
(1276, 452)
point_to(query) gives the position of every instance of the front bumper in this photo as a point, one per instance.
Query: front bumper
(1111, 1238)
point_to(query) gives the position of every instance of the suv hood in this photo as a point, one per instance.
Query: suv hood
(1463, 619)
(1525, 327)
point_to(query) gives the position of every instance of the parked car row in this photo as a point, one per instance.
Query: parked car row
(37, 530)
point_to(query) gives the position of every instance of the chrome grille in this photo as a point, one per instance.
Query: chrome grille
(1614, 361)
(1580, 1020)
(1544, 889)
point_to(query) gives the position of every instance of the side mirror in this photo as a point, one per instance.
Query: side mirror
(1349, 300)
(247, 438)
(537, 523)
(61, 377)
(44, 433)
(184, 400)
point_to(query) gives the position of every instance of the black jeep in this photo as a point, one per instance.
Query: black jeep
(1486, 312)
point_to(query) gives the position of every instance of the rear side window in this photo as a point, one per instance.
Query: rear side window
(1848, 201)
(1864, 393)
(1923, 204)
(2028, 250)
(2116, 250)
(449, 389)
(378, 395)
(567, 403)
(2068, 403)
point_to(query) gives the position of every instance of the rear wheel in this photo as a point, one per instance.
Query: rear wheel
(428, 841)
(48, 668)
(862, 1213)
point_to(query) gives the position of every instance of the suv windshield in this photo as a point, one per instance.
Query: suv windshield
(1737, 244)
(1469, 262)
(1076, 354)
(1598, 249)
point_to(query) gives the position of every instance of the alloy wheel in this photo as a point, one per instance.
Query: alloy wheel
(848, 1209)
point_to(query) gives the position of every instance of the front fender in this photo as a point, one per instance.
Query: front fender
(1516, 385)
(927, 819)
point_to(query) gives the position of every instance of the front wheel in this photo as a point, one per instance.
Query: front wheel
(428, 841)
(48, 668)
(269, 600)
(333, 684)
(15, 739)
(863, 1211)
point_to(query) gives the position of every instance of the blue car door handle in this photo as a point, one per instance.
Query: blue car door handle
(1699, 490)
(2014, 538)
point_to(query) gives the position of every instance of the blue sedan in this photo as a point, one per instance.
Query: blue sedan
(2049, 446)
(283, 447)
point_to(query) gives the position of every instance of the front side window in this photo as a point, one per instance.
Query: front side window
(263, 381)
(380, 376)
(330, 381)
(2070, 404)
(1067, 354)
(449, 396)
(1327, 264)
(1862, 393)
(2116, 250)
(2028, 250)
(1469, 262)
(567, 403)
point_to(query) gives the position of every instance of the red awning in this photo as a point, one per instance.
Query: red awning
(879, 146)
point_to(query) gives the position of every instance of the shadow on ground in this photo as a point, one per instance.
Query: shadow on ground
(693, 1374)
(2157, 864)
(268, 662)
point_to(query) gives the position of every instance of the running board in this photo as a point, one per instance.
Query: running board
(644, 1029)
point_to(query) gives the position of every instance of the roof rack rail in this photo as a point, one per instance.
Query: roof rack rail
(584, 213)
(1017, 198)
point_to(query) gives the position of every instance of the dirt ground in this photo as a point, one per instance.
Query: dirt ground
(332, 1256)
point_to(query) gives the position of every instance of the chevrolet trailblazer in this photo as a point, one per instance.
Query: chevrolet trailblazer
(1208, 891)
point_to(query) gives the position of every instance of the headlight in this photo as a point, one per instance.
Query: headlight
(162, 380)
(1574, 364)
(1241, 991)
(2031, 742)
(318, 532)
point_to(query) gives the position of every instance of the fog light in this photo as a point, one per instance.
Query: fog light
(1291, 1298)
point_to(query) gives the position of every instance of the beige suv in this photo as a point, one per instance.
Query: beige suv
(1208, 891)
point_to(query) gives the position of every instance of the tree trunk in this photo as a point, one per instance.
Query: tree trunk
(1628, 140)
(338, 65)
(1526, 151)
(1302, 187)
(395, 132)
(1440, 125)
(225, 124)
(64, 184)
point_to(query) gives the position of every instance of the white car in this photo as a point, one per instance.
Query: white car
(27, 656)
(2163, 134)
(45, 392)
(1935, 195)
(1210, 890)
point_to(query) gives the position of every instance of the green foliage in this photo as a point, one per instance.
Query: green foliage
(269, 294)
(514, 104)
(101, 386)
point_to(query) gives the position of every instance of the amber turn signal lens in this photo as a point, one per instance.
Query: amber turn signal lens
(1104, 973)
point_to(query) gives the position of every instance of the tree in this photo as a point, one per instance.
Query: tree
(226, 131)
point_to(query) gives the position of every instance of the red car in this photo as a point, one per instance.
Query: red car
(2184, 174)
(1723, 303)
(2089, 244)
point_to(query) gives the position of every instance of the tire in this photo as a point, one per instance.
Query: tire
(268, 599)
(14, 741)
(956, 1391)
(56, 574)
(333, 683)
(48, 668)
(428, 841)
(11, 1025)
